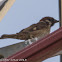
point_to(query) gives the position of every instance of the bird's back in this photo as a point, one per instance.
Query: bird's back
(35, 30)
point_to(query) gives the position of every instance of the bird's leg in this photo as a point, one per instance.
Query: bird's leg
(36, 39)
(28, 41)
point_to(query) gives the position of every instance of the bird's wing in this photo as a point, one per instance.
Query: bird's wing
(34, 27)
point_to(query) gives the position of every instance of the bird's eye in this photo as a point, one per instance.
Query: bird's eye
(47, 23)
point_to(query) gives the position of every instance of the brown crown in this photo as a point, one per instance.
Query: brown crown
(46, 18)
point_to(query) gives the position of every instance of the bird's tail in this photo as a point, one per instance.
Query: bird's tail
(9, 36)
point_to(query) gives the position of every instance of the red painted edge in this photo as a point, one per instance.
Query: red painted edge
(40, 45)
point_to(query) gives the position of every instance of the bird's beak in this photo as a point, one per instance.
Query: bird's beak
(56, 21)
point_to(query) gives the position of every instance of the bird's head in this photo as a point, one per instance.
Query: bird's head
(49, 20)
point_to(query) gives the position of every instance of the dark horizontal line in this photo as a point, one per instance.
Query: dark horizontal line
(3, 5)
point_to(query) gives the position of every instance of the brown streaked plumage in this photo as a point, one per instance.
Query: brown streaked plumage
(40, 29)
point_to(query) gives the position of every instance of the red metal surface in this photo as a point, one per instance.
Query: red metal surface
(41, 49)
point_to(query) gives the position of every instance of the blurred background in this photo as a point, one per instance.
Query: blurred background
(24, 13)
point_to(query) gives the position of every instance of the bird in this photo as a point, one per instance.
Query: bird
(37, 30)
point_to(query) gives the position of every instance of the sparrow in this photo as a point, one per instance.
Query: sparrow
(39, 30)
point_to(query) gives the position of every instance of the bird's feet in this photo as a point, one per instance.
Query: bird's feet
(30, 41)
